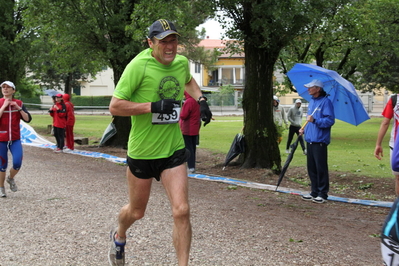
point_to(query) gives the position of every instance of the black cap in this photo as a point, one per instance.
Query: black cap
(162, 28)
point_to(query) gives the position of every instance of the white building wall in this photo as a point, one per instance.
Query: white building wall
(197, 76)
(101, 85)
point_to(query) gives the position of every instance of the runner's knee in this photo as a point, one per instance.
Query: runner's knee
(134, 213)
(181, 212)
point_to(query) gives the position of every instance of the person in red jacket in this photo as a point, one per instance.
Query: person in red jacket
(190, 123)
(59, 113)
(69, 139)
(11, 113)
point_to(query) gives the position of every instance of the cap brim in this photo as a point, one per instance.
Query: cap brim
(165, 34)
(8, 83)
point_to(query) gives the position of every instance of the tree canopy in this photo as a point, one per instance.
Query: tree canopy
(266, 28)
(14, 47)
(352, 41)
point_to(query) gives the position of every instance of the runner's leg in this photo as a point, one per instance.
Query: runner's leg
(2, 178)
(17, 155)
(175, 181)
(4, 161)
(139, 194)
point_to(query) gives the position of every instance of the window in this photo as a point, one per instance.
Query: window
(197, 68)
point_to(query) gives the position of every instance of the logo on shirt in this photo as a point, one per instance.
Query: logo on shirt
(169, 88)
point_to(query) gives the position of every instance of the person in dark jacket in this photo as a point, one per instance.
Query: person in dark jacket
(320, 118)
(190, 123)
(59, 113)
(390, 236)
(70, 108)
(390, 228)
(11, 113)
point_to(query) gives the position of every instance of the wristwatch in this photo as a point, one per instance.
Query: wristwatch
(202, 97)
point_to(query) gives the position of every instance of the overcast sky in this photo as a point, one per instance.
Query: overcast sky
(213, 29)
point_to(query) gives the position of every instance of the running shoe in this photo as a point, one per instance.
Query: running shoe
(13, 186)
(67, 150)
(57, 150)
(3, 192)
(116, 254)
(307, 197)
(319, 200)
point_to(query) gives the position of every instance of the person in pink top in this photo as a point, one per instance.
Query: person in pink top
(190, 123)
(70, 108)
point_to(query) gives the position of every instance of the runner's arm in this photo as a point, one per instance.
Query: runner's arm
(378, 151)
(119, 107)
(193, 89)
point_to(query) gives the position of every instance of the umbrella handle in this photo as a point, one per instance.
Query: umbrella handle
(304, 125)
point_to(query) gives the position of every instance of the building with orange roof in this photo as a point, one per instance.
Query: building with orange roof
(229, 69)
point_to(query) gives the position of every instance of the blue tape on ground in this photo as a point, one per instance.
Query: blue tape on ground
(374, 203)
(30, 137)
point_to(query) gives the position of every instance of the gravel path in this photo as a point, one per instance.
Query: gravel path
(66, 205)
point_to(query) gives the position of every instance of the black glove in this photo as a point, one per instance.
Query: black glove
(164, 106)
(206, 114)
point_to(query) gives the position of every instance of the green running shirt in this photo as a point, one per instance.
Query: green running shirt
(146, 80)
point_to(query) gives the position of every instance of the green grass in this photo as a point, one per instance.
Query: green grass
(90, 126)
(351, 149)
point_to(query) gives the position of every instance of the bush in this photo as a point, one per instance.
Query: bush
(91, 100)
(31, 103)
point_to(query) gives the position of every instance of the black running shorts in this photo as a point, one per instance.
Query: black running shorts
(146, 169)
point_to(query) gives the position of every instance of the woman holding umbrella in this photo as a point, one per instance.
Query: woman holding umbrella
(320, 119)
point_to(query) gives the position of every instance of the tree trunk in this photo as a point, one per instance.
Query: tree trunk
(122, 123)
(260, 132)
(68, 82)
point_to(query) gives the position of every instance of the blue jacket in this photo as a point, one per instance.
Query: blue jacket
(320, 130)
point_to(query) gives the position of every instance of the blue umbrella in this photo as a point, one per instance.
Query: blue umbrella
(51, 92)
(347, 104)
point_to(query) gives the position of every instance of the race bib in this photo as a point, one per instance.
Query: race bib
(172, 118)
(390, 251)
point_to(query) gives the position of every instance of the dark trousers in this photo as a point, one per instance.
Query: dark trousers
(294, 130)
(59, 134)
(318, 169)
(191, 146)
